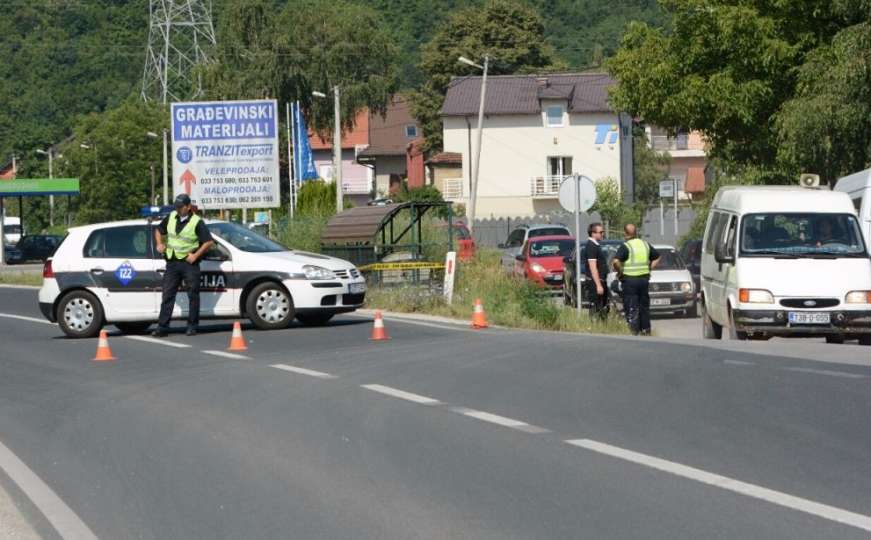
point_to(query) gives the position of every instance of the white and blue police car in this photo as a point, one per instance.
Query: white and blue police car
(111, 273)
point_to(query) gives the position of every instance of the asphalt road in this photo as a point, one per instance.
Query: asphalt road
(441, 432)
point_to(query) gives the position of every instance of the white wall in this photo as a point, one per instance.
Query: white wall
(515, 149)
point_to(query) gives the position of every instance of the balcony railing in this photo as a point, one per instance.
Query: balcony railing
(664, 142)
(453, 189)
(546, 187)
(355, 186)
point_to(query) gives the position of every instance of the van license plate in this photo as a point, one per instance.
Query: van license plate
(660, 301)
(357, 288)
(809, 318)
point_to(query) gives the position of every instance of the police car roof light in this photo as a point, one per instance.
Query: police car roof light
(155, 211)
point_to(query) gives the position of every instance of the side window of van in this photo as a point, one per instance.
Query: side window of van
(715, 232)
(857, 204)
(731, 228)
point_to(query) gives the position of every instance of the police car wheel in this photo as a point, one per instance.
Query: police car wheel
(314, 319)
(269, 306)
(137, 327)
(80, 315)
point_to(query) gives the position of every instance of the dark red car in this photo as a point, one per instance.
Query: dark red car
(541, 259)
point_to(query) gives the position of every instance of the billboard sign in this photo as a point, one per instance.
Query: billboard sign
(225, 153)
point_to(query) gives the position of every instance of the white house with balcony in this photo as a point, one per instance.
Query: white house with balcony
(538, 130)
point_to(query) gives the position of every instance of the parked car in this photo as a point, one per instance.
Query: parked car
(569, 296)
(691, 253)
(520, 235)
(671, 285)
(38, 247)
(541, 260)
(785, 261)
(11, 254)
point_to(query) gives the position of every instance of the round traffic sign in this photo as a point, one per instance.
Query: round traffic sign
(568, 197)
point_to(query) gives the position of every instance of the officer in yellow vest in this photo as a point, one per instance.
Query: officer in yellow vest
(186, 240)
(634, 261)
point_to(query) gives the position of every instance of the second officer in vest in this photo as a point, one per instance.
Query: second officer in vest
(186, 240)
(634, 261)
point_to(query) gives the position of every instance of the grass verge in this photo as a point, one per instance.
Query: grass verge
(21, 278)
(508, 301)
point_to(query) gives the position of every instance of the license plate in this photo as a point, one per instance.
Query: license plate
(660, 301)
(800, 317)
(357, 288)
(557, 277)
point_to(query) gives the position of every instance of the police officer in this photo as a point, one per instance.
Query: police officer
(187, 239)
(634, 261)
(596, 272)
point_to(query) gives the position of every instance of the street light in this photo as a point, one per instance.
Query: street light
(154, 135)
(92, 146)
(337, 145)
(474, 196)
(50, 154)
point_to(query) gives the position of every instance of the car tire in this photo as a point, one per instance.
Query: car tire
(269, 306)
(314, 319)
(133, 327)
(837, 339)
(710, 329)
(80, 315)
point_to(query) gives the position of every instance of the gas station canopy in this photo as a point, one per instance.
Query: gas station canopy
(26, 187)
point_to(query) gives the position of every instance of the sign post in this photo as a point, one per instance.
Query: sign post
(450, 272)
(577, 194)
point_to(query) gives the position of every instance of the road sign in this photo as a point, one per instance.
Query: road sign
(666, 189)
(225, 153)
(568, 197)
(261, 218)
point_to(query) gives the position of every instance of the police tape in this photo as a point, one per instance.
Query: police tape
(402, 266)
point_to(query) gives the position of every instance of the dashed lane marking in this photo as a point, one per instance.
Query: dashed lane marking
(223, 354)
(23, 318)
(792, 502)
(499, 420)
(828, 372)
(738, 363)
(303, 371)
(157, 341)
(401, 394)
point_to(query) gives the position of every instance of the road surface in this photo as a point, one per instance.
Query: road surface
(441, 432)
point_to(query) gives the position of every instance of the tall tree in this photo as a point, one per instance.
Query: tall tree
(286, 52)
(511, 33)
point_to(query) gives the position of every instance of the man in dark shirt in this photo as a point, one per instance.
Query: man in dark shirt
(596, 272)
(634, 260)
(183, 238)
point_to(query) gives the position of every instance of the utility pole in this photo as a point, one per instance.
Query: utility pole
(474, 195)
(337, 149)
(165, 171)
(291, 206)
(50, 154)
(151, 200)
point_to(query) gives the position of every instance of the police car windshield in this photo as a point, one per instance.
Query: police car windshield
(245, 239)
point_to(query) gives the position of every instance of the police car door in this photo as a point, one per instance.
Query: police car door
(120, 270)
(216, 295)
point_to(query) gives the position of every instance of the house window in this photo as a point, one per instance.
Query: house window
(554, 116)
(559, 166)
(411, 131)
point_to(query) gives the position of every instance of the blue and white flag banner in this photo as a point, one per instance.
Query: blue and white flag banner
(305, 163)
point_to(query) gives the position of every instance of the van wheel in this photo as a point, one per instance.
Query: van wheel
(837, 339)
(269, 306)
(136, 327)
(80, 315)
(734, 333)
(710, 329)
(314, 319)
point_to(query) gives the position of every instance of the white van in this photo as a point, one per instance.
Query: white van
(858, 187)
(785, 261)
(11, 230)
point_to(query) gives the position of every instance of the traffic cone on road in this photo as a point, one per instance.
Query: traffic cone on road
(237, 342)
(379, 333)
(479, 319)
(104, 353)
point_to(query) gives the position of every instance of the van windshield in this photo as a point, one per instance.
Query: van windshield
(801, 235)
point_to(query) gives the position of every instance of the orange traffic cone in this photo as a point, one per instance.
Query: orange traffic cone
(479, 320)
(379, 333)
(104, 353)
(237, 342)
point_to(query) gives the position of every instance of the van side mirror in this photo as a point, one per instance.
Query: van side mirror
(720, 255)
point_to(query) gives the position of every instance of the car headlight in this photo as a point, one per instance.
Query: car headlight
(858, 297)
(755, 296)
(537, 268)
(686, 287)
(317, 272)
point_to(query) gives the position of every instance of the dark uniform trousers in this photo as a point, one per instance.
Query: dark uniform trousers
(176, 271)
(599, 305)
(636, 303)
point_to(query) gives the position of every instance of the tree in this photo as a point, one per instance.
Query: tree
(287, 52)
(511, 33)
(727, 68)
(650, 168)
(115, 170)
(615, 212)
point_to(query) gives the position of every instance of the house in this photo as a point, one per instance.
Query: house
(538, 130)
(357, 179)
(689, 160)
(391, 146)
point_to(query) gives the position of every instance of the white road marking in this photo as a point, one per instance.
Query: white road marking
(223, 354)
(157, 341)
(23, 318)
(393, 392)
(303, 371)
(828, 372)
(824, 511)
(499, 420)
(738, 363)
(9, 286)
(68, 525)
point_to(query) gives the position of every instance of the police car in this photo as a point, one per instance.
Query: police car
(111, 273)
